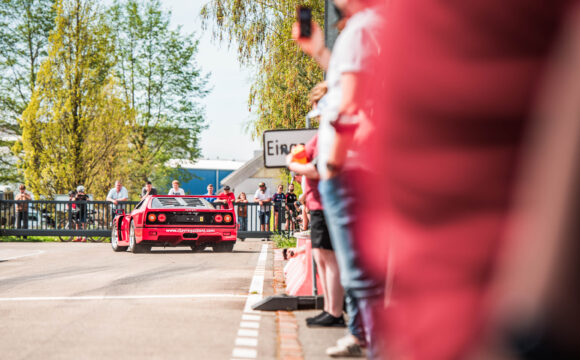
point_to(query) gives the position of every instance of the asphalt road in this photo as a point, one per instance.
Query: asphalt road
(83, 301)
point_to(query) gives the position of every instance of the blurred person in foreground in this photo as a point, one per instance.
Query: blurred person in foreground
(349, 66)
(475, 112)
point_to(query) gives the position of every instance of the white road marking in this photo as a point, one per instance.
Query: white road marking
(122, 297)
(251, 317)
(247, 332)
(247, 340)
(250, 324)
(37, 252)
(245, 353)
(244, 341)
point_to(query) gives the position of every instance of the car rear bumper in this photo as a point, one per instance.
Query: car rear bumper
(162, 236)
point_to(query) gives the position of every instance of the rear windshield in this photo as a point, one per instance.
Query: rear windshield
(180, 202)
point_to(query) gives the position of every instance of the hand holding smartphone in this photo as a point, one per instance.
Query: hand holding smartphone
(304, 17)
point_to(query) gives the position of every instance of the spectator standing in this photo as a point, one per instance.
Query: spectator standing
(278, 198)
(242, 211)
(81, 210)
(175, 189)
(348, 67)
(71, 208)
(117, 195)
(264, 198)
(148, 189)
(291, 199)
(226, 195)
(210, 192)
(321, 244)
(22, 208)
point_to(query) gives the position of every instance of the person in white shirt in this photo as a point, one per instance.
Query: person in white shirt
(264, 198)
(117, 194)
(352, 62)
(176, 190)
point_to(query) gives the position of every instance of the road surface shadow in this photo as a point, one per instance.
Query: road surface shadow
(208, 251)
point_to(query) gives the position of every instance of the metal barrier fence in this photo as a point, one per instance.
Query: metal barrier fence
(93, 219)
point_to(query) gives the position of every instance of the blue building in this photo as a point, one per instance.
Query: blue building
(205, 172)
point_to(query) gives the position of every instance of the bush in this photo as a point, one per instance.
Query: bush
(283, 242)
(29, 239)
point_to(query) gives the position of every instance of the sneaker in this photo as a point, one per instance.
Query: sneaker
(310, 319)
(345, 347)
(328, 320)
(77, 239)
(348, 339)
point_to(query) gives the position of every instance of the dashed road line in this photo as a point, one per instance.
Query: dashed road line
(246, 344)
(247, 332)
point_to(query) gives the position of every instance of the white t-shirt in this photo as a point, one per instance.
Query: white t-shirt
(179, 191)
(266, 195)
(354, 51)
(116, 195)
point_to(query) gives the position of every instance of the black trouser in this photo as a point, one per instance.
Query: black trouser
(22, 220)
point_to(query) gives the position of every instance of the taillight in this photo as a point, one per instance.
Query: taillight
(218, 218)
(228, 218)
(161, 217)
(151, 217)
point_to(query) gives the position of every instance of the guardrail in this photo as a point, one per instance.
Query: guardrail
(93, 219)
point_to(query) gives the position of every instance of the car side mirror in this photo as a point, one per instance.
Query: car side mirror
(120, 212)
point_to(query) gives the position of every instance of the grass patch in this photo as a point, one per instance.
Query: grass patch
(283, 242)
(29, 239)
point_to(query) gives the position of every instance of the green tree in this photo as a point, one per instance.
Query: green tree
(74, 128)
(163, 84)
(261, 30)
(24, 31)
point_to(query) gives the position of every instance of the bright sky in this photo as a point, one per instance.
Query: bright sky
(226, 106)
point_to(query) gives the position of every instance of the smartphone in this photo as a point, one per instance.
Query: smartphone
(304, 15)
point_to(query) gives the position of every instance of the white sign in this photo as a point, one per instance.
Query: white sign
(279, 143)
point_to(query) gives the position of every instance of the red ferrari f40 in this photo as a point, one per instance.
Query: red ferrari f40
(169, 220)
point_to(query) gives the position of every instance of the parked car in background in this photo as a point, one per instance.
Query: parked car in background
(172, 220)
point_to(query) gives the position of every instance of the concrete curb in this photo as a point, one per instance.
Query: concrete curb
(289, 347)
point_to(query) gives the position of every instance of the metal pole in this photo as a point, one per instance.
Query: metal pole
(330, 19)
(314, 284)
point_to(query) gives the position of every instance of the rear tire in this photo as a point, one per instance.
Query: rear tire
(226, 246)
(115, 240)
(133, 246)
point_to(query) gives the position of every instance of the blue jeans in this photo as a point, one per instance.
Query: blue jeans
(264, 217)
(243, 221)
(340, 200)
